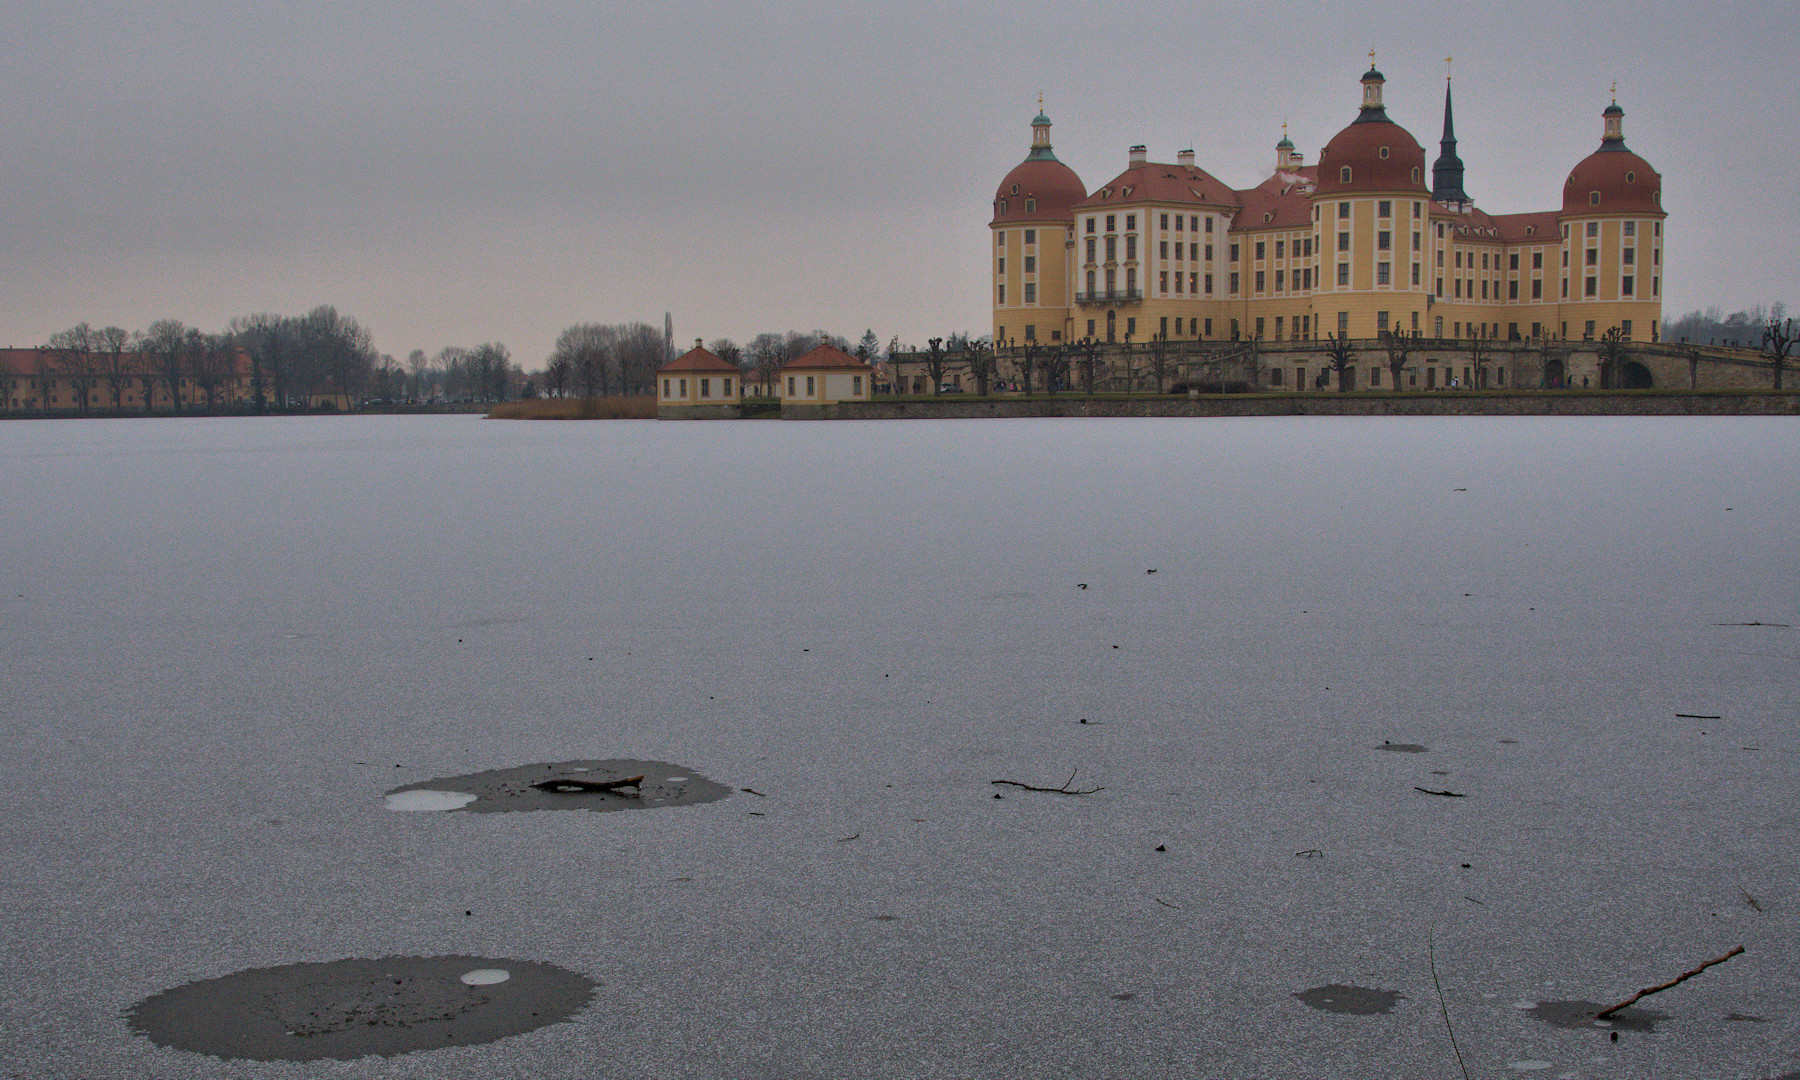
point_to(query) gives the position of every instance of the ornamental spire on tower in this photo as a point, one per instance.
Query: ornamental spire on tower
(1614, 139)
(1372, 109)
(1447, 172)
(1040, 134)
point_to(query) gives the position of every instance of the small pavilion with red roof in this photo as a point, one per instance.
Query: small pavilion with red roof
(699, 385)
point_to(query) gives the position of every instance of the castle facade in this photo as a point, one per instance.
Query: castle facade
(1369, 239)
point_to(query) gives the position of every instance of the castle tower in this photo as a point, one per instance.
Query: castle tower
(1034, 238)
(1612, 236)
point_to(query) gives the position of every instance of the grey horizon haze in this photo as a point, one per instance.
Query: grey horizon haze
(451, 173)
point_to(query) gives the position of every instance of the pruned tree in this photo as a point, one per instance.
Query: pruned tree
(980, 357)
(1025, 358)
(1159, 358)
(1340, 354)
(1399, 348)
(1612, 349)
(1089, 351)
(934, 364)
(1479, 357)
(582, 355)
(1777, 342)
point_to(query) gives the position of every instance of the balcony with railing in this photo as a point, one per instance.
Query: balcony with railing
(1110, 296)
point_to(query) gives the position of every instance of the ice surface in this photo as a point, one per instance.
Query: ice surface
(226, 638)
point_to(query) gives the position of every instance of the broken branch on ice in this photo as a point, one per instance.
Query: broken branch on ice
(1681, 978)
(1447, 794)
(566, 784)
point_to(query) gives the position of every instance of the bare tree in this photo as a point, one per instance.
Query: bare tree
(726, 350)
(114, 368)
(211, 362)
(1777, 341)
(72, 356)
(1479, 358)
(417, 365)
(1399, 347)
(981, 364)
(163, 345)
(1340, 355)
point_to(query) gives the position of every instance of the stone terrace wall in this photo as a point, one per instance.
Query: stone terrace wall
(1441, 403)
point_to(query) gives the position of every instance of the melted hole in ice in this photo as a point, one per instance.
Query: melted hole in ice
(346, 1009)
(511, 790)
(1402, 747)
(1580, 1014)
(1354, 1000)
(428, 799)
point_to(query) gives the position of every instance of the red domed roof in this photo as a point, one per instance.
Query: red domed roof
(1624, 182)
(1038, 189)
(1380, 154)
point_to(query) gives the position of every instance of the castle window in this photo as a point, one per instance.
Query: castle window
(1383, 274)
(1343, 241)
(1625, 328)
(1343, 275)
(1015, 189)
(1280, 248)
(1344, 207)
(1208, 222)
(1631, 228)
(1593, 286)
(1631, 178)
(1259, 251)
(1383, 153)
(1031, 292)
(1415, 174)
(1628, 255)
(1384, 240)
(1130, 221)
(1537, 288)
(1030, 331)
(1162, 249)
(1000, 239)
(1162, 280)
(1593, 198)
(1259, 327)
(1090, 225)
(1234, 283)
(1030, 238)
(1110, 227)
(1593, 228)
(1280, 280)
(1343, 322)
(1513, 261)
(1031, 264)
(1259, 281)
(1002, 262)
(1163, 222)
(1625, 285)
(1416, 211)
(1593, 256)
(1512, 290)
(1415, 274)
(1209, 253)
(1415, 240)
(1234, 251)
(1381, 320)
(1386, 209)
(1030, 205)
(1002, 297)
(1130, 243)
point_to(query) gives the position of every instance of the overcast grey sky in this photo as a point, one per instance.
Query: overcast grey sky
(452, 173)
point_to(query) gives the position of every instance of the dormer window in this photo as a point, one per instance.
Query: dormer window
(1030, 205)
(1344, 175)
(1593, 198)
(1415, 174)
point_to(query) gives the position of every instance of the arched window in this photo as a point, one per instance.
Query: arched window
(1593, 198)
(1415, 174)
(1344, 175)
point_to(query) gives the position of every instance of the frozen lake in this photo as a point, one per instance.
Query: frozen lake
(226, 640)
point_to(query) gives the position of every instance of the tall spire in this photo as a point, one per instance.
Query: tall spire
(1614, 116)
(1447, 172)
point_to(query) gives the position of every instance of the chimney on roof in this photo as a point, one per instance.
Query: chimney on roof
(697, 343)
(1139, 155)
(1185, 159)
(1296, 158)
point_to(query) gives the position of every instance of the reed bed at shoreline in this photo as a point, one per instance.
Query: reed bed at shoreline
(607, 408)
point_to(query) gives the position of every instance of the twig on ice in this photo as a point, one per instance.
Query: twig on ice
(1062, 791)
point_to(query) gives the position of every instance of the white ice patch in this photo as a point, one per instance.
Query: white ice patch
(426, 799)
(486, 976)
(676, 778)
(1528, 1065)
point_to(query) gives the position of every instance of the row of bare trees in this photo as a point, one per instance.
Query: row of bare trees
(285, 359)
(597, 360)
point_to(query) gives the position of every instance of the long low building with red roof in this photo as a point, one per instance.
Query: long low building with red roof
(1368, 240)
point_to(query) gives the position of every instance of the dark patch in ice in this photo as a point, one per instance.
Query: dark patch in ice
(345, 1009)
(1353, 1000)
(510, 790)
(1402, 747)
(1746, 1018)
(1580, 1014)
